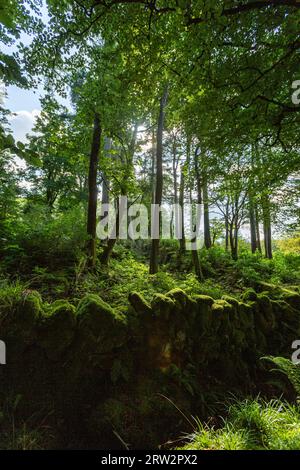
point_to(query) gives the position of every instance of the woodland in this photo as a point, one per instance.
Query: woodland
(189, 342)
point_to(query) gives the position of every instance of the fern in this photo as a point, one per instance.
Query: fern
(289, 369)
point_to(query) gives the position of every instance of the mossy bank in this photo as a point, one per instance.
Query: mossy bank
(104, 376)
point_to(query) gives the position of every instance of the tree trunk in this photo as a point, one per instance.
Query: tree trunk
(267, 228)
(105, 181)
(233, 237)
(207, 237)
(194, 249)
(257, 230)
(153, 155)
(159, 183)
(107, 250)
(227, 226)
(198, 177)
(181, 204)
(93, 192)
(197, 265)
(235, 254)
(252, 226)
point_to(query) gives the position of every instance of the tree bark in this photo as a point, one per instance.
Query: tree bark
(159, 180)
(107, 250)
(233, 237)
(267, 228)
(181, 204)
(257, 230)
(207, 237)
(195, 255)
(227, 226)
(93, 191)
(153, 157)
(252, 226)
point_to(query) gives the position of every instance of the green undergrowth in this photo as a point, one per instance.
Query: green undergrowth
(251, 424)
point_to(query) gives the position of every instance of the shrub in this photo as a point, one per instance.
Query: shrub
(46, 240)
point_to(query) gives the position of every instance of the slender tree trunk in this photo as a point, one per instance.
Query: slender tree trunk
(197, 265)
(267, 228)
(175, 217)
(257, 230)
(92, 191)
(159, 181)
(252, 226)
(198, 177)
(181, 203)
(105, 182)
(194, 247)
(233, 238)
(108, 249)
(227, 226)
(153, 155)
(236, 232)
(207, 237)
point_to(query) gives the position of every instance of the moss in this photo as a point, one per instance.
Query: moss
(186, 306)
(221, 311)
(102, 327)
(249, 295)
(204, 314)
(231, 300)
(162, 305)
(57, 329)
(264, 316)
(139, 303)
(179, 296)
(271, 289)
(246, 316)
(19, 321)
(204, 299)
(291, 297)
(217, 308)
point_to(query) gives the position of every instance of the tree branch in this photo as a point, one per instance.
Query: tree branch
(257, 5)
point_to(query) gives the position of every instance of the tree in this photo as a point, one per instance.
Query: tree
(159, 182)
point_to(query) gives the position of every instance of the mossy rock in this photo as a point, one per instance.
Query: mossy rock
(18, 324)
(203, 319)
(288, 320)
(182, 301)
(264, 316)
(292, 298)
(204, 299)
(101, 327)
(246, 315)
(57, 329)
(268, 289)
(231, 300)
(249, 295)
(221, 311)
(244, 328)
(162, 305)
(139, 303)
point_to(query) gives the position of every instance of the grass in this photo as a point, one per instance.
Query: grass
(251, 424)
